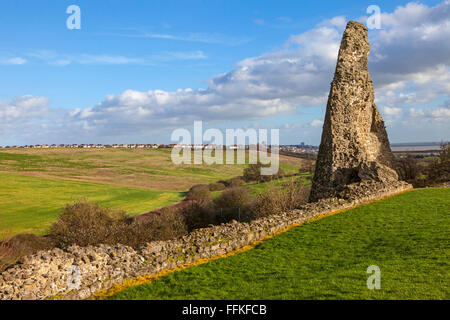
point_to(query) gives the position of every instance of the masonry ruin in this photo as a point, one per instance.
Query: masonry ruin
(354, 155)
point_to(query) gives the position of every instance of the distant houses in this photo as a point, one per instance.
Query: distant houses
(136, 146)
(89, 146)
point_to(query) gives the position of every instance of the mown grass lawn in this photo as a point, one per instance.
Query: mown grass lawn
(407, 236)
(31, 204)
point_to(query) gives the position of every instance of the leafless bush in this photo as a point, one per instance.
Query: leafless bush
(166, 224)
(276, 199)
(199, 192)
(408, 169)
(216, 186)
(86, 223)
(439, 170)
(233, 198)
(233, 182)
(197, 214)
(253, 173)
(21, 245)
(232, 204)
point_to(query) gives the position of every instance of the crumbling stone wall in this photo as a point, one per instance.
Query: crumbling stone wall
(355, 146)
(79, 272)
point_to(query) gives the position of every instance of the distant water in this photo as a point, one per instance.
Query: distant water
(415, 148)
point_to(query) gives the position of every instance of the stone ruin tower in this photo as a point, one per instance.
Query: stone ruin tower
(354, 153)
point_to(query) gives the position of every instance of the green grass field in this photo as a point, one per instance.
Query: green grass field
(35, 184)
(31, 204)
(407, 236)
(256, 188)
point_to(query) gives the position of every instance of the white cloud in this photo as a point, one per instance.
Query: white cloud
(209, 38)
(392, 111)
(23, 107)
(13, 61)
(61, 59)
(316, 123)
(439, 114)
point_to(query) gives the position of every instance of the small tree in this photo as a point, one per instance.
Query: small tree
(253, 172)
(408, 169)
(439, 169)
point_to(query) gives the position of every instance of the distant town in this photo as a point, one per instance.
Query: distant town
(299, 150)
(302, 148)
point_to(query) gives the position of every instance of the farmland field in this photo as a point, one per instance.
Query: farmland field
(37, 183)
(407, 237)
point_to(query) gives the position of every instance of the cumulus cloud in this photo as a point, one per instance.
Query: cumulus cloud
(23, 107)
(409, 63)
(21, 118)
(298, 75)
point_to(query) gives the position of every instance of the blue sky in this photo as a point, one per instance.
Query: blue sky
(80, 86)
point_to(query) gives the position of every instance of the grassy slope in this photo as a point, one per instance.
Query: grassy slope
(144, 168)
(35, 184)
(31, 204)
(407, 236)
(256, 188)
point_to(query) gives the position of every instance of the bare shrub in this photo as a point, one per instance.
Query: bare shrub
(426, 172)
(199, 192)
(21, 245)
(439, 169)
(276, 199)
(216, 186)
(232, 204)
(307, 167)
(86, 223)
(265, 178)
(253, 173)
(233, 198)
(166, 224)
(198, 214)
(235, 182)
(407, 169)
